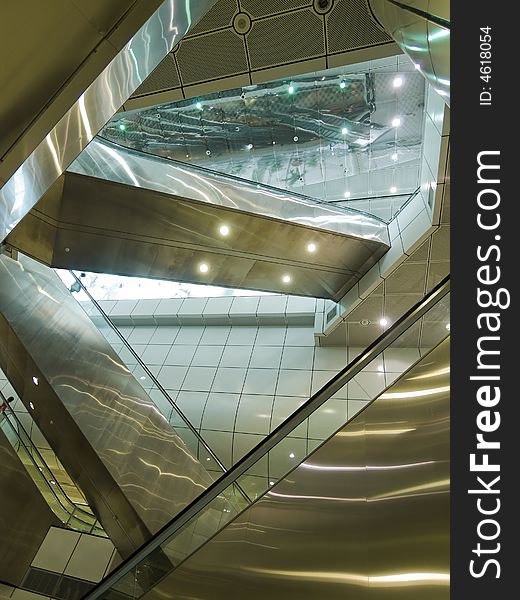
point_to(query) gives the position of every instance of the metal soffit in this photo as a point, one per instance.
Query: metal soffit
(134, 469)
(94, 107)
(39, 86)
(155, 218)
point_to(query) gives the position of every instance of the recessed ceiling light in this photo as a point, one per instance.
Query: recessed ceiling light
(35, 380)
(122, 126)
(393, 189)
(292, 455)
(344, 131)
(311, 247)
(383, 322)
(286, 279)
(398, 82)
(394, 156)
(208, 152)
(198, 105)
(346, 195)
(396, 121)
(291, 89)
(142, 378)
(274, 142)
(249, 146)
(295, 138)
(203, 268)
(208, 459)
(224, 230)
(271, 483)
(342, 85)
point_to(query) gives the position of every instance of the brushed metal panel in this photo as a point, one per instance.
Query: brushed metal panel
(104, 160)
(422, 35)
(408, 490)
(365, 516)
(134, 469)
(91, 98)
(25, 517)
(157, 218)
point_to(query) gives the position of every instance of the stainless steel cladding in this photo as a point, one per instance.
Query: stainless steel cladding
(129, 213)
(422, 30)
(365, 516)
(25, 516)
(59, 144)
(132, 466)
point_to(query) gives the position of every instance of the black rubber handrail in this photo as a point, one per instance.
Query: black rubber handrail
(276, 436)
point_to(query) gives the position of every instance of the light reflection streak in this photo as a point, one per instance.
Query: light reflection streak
(415, 394)
(389, 580)
(366, 468)
(324, 498)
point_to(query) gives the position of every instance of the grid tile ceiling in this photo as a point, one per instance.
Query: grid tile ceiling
(247, 37)
(326, 134)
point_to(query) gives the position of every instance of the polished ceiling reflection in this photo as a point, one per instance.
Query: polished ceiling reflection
(346, 135)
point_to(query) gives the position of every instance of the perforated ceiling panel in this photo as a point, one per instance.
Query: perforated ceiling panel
(240, 42)
(164, 77)
(202, 58)
(350, 26)
(285, 38)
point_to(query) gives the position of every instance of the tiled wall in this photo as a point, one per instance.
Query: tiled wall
(236, 383)
(77, 556)
(425, 218)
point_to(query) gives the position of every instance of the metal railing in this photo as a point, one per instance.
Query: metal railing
(69, 513)
(146, 567)
(209, 454)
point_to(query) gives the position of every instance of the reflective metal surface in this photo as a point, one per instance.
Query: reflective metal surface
(422, 30)
(365, 516)
(43, 73)
(25, 517)
(134, 214)
(111, 162)
(79, 518)
(277, 455)
(327, 134)
(134, 469)
(94, 107)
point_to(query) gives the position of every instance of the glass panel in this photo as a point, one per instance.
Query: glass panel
(348, 135)
(155, 391)
(69, 513)
(327, 419)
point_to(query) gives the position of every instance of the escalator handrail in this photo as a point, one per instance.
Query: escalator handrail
(10, 414)
(156, 382)
(276, 436)
(241, 180)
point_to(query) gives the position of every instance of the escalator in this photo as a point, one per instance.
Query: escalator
(366, 514)
(126, 212)
(96, 54)
(72, 515)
